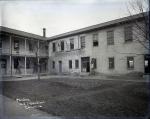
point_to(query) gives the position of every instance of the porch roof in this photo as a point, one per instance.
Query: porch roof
(21, 33)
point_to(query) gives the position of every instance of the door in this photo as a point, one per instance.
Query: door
(3, 64)
(60, 66)
(85, 64)
(147, 64)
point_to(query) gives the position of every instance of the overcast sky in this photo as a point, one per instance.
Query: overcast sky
(59, 16)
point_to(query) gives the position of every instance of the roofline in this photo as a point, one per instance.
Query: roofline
(21, 33)
(97, 26)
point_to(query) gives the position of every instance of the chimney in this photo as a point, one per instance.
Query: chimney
(44, 32)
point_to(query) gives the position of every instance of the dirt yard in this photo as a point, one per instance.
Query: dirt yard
(74, 97)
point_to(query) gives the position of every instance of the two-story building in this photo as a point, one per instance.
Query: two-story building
(21, 52)
(114, 47)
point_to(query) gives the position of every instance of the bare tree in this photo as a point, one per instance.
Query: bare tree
(141, 31)
(36, 49)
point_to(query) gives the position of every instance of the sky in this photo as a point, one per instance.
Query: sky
(59, 16)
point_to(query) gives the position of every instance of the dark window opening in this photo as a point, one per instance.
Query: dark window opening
(111, 63)
(29, 63)
(95, 40)
(54, 47)
(53, 64)
(62, 45)
(16, 63)
(72, 44)
(70, 64)
(31, 46)
(76, 64)
(3, 63)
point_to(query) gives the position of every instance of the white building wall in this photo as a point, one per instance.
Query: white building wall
(120, 51)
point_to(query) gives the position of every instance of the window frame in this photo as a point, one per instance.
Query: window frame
(70, 64)
(16, 44)
(110, 37)
(82, 42)
(77, 64)
(71, 43)
(95, 40)
(128, 33)
(111, 63)
(53, 64)
(128, 62)
(62, 44)
(54, 46)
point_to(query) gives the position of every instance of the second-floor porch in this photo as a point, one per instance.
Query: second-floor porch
(15, 45)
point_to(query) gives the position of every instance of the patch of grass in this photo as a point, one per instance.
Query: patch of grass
(73, 97)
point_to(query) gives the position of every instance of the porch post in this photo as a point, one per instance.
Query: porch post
(10, 58)
(25, 59)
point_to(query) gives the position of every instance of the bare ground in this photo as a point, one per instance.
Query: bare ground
(74, 97)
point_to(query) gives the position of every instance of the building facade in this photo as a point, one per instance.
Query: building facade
(21, 53)
(114, 47)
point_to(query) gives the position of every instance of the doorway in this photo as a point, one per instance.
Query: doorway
(60, 66)
(3, 64)
(85, 64)
(147, 64)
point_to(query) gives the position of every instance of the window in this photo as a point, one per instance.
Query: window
(28, 63)
(110, 37)
(3, 63)
(3, 37)
(70, 64)
(128, 33)
(16, 63)
(82, 40)
(31, 46)
(94, 63)
(54, 47)
(130, 62)
(95, 39)
(62, 45)
(76, 64)
(16, 44)
(53, 64)
(72, 44)
(111, 63)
